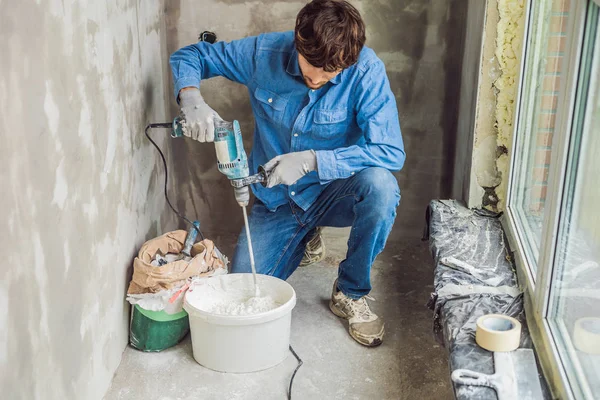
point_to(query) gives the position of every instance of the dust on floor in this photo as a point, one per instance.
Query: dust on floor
(408, 365)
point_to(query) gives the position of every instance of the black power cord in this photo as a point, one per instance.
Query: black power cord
(162, 156)
(168, 125)
(300, 362)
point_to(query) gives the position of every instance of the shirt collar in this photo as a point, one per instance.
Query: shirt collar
(338, 78)
(293, 68)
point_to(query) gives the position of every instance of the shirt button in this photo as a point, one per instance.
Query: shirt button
(293, 193)
(270, 100)
(351, 173)
(295, 135)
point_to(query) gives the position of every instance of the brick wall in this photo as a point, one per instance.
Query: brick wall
(547, 102)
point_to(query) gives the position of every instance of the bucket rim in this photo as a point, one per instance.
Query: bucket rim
(262, 317)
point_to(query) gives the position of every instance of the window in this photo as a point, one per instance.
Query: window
(574, 308)
(553, 213)
(544, 61)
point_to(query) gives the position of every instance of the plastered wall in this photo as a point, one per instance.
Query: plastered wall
(81, 187)
(421, 43)
(499, 74)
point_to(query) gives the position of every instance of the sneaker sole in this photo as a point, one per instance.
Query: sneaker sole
(311, 262)
(368, 341)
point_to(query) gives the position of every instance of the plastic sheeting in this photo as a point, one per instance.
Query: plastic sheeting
(474, 276)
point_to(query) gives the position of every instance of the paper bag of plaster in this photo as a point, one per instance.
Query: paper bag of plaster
(169, 301)
(147, 278)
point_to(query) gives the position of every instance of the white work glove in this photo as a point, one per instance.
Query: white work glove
(286, 169)
(199, 117)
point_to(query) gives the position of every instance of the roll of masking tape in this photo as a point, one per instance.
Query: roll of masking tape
(586, 335)
(497, 332)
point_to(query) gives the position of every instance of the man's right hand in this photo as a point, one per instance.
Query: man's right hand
(199, 117)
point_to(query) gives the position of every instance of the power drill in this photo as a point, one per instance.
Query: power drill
(231, 157)
(232, 162)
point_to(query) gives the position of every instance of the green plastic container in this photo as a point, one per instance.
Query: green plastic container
(156, 330)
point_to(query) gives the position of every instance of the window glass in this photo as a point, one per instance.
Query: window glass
(537, 124)
(574, 307)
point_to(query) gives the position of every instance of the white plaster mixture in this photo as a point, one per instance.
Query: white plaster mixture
(214, 297)
(250, 306)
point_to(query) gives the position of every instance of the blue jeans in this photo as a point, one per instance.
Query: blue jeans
(366, 201)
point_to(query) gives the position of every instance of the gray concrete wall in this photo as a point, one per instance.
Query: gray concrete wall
(82, 188)
(471, 67)
(421, 43)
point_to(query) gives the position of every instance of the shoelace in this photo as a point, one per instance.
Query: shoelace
(308, 259)
(314, 245)
(359, 307)
(314, 249)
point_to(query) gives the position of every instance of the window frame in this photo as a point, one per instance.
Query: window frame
(580, 115)
(537, 287)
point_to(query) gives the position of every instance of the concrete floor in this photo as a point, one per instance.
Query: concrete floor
(408, 365)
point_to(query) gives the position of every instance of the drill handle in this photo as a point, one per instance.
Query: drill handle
(261, 178)
(177, 127)
(239, 141)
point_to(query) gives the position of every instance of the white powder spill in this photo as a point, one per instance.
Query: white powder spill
(216, 297)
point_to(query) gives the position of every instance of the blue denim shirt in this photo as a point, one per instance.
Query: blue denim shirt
(351, 122)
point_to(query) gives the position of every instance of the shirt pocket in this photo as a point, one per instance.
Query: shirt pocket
(269, 105)
(330, 123)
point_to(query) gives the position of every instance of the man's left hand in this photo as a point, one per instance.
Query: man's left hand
(286, 169)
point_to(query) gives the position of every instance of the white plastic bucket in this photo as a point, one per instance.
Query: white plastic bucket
(242, 343)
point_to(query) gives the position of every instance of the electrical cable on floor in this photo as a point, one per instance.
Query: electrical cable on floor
(300, 362)
(165, 125)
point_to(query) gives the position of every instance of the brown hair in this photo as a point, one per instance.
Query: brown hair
(330, 34)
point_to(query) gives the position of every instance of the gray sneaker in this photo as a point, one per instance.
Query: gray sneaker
(315, 249)
(365, 327)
